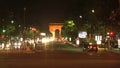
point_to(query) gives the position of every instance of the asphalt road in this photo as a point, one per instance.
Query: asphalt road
(60, 59)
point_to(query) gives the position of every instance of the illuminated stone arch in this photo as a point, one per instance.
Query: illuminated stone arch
(55, 27)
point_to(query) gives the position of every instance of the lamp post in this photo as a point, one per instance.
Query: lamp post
(24, 27)
(92, 25)
(24, 15)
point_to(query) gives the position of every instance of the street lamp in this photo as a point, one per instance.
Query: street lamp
(93, 11)
(80, 17)
(24, 28)
(92, 24)
(19, 25)
(12, 21)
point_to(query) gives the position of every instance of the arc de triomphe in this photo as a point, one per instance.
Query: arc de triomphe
(55, 29)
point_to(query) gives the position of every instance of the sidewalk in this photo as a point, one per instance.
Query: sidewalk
(15, 51)
(115, 50)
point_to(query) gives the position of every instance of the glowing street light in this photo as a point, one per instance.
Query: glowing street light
(19, 25)
(12, 21)
(80, 16)
(93, 11)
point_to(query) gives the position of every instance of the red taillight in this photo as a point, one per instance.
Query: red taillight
(97, 46)
(90, 47)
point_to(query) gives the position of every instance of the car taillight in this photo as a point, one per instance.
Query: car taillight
(97, 46)
(90, 47)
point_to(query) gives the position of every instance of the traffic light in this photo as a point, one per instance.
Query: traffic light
(111, 33)
(2, 37)
(34, 29)
(3, 30)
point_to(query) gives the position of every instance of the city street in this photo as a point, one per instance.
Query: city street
(60, 59)
(60, 34)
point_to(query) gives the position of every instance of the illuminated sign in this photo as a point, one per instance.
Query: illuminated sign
(98, 38)
(43, 34)
(82, 34)
(118, 43)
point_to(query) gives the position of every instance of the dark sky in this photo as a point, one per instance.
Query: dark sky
(40, 11)
(47, 11)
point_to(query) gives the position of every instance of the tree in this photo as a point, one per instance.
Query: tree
(69, 29)
(86, 26)
(32, 32)
(10, 29)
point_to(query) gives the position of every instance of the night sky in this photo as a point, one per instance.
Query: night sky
(42, 12)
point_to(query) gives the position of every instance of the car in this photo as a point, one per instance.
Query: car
(90, 48)
(93, 48)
